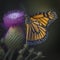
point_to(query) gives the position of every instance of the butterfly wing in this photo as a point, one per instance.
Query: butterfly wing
(36, 29)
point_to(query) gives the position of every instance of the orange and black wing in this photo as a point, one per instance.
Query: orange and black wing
(36, 30)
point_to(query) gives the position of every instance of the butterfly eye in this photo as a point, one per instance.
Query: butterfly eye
(27, 20)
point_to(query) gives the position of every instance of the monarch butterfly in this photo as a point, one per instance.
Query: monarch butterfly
(36, 27)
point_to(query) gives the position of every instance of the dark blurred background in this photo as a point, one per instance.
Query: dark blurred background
(51, 47)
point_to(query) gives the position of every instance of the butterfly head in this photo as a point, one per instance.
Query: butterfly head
(27, 19)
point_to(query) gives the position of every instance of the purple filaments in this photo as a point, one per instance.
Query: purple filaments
(14, 18)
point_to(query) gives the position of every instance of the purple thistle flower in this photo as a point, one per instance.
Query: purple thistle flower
(13, 18)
